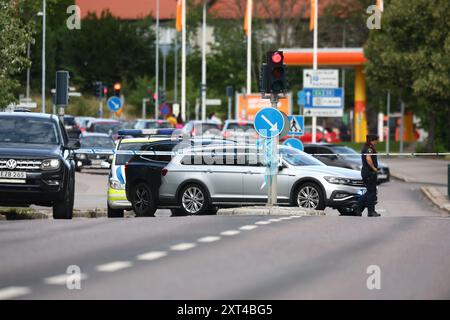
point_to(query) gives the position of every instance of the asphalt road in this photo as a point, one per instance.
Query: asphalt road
(220, 257)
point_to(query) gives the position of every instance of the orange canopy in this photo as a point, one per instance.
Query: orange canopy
(325, 57)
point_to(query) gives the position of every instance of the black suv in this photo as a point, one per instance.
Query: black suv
(36, 162)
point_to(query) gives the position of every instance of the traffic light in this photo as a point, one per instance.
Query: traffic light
(162, 96)
(117, 88)
(98, 89)
(273, 78)
(105, 91)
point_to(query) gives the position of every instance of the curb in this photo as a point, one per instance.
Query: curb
(265, 211)
(401, 177)
(439, 200)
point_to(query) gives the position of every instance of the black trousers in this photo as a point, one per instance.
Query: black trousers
(370, 197)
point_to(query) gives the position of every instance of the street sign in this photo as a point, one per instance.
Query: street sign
(294, 143)
(164, 109)
(269, 122)
(296, 125)
(324, 102)
(301, 98)
(323, 112)
(322, 78)
(114, 103)
(213, 102)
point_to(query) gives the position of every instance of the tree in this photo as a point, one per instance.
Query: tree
(14, 37)
(410, 54)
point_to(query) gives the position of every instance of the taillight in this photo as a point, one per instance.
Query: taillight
(164, 172)
(226, 134)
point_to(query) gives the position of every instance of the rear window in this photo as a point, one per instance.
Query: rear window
(121, 159)
(70, 121)
(240, 126)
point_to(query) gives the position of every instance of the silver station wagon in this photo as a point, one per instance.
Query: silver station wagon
(223, 176)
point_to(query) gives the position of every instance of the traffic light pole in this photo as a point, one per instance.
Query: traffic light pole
(272, 193)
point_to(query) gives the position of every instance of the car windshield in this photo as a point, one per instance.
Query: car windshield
(152, 125)
(345, 151)
(206, 126)
(69, 121)
(121, 159)
(240, 126)
(28, 130)
(108, 128)
(97, 142)
(298, 158)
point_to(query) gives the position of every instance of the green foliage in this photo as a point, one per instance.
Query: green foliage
(411, 56)
(14, 38)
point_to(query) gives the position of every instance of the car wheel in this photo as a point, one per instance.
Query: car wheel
(63, 209)
(310, 196)
(143, 201)
(114, 213)
(177, 212)
(194, 200)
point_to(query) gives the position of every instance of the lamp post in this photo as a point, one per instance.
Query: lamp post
(44, 16)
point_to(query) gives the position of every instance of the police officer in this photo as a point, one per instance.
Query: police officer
(369, 174)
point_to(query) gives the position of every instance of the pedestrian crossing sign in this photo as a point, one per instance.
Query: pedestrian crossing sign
(296, 125)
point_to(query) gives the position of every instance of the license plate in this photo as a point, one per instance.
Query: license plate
(96, 162)
(13, 175)
(382, 176)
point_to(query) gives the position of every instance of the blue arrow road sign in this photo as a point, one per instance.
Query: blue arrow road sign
(269, 122)
(296, 125)
(114, 104)
(323, 98)
(294, 143)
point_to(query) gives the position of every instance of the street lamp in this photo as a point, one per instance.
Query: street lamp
(44, 15)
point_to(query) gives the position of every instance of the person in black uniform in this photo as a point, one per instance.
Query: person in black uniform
(369, 174)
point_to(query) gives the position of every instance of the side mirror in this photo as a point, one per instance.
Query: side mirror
(73, 144)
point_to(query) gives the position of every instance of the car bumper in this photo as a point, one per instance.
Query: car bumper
(342, 195)
(117, 199)
(41, 188)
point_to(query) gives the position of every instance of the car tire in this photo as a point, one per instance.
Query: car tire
(309, 195)
(143, 201)
(349, 211)
(63, 209)
(114, 213)
(194, 200)
(177, 212)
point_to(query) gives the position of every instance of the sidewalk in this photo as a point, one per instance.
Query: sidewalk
(430, 173)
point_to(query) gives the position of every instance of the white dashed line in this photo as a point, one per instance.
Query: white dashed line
(230, 233)
(208, 239)
(114, 266)
(286, 218)
(293, 217)
(13, 292)
(248, 227)
(182, 246)
(263, 222)
(152, 255)
(274, 220)
(61, 279)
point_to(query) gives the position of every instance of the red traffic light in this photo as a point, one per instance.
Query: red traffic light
(276, 57)
(105, 91)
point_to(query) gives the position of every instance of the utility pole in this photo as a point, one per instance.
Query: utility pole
(157, 62)
(44, 14)
(183, 61)
(314, 118)
(175, 80)
(28, 72)
(203, 84)
(388, 120)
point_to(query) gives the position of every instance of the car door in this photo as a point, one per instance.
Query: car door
(325, 155)
(224, 172)
(255, 182)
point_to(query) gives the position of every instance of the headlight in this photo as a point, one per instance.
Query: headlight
(336, 180)
(111, 157)
(82, 156)
(50, 164)
(116, 185)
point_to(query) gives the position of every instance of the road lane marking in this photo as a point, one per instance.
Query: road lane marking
(285, 218)
(263, 222)
(208, 239)
(13, 292)
(230, 233)
(248, 227)
(274, 220)
(62, 278)
(113, 266)
(152, 255)
(294, 217)
(182, 246)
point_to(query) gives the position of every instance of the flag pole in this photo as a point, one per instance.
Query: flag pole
(183, 60)
(314, 118)
(249, 46)
(157, 62)
(203, 84)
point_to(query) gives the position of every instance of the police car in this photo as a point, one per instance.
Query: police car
(130, 141)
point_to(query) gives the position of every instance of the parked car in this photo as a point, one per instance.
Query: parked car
(108, 126)
(84, 122)
(232, 175)
(322, 135)
(99, 142)
(151, 124)
(239, 130)
(36, 162)
(72, 128)
(197, 128)
(143, 172)
(344, 157)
